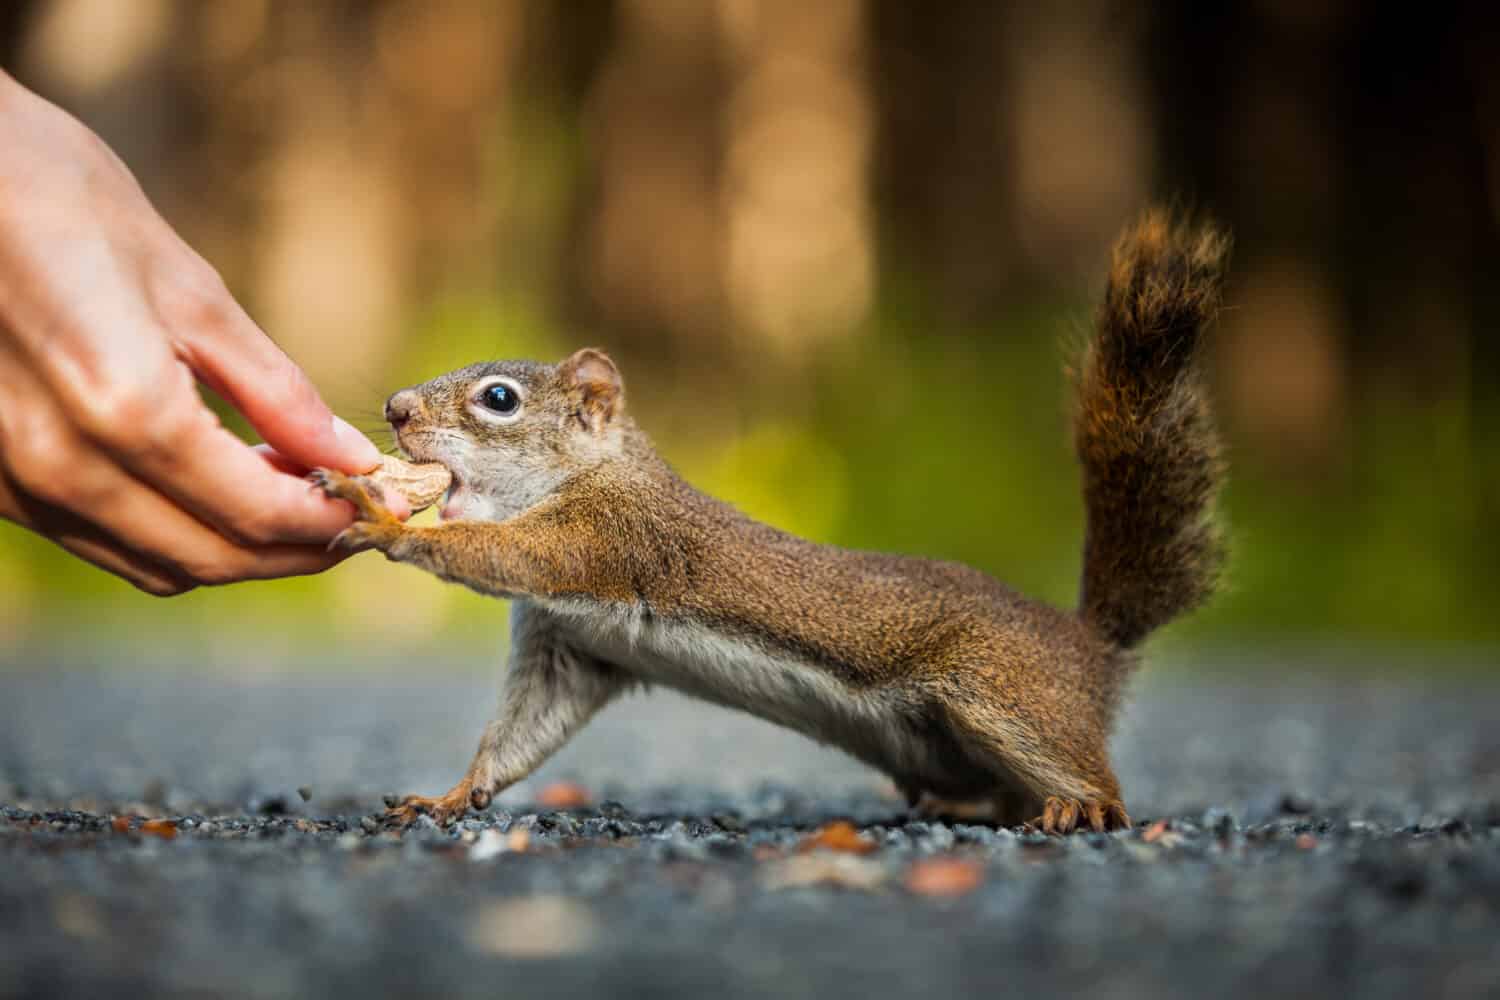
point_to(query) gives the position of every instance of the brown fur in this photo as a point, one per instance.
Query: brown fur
(1145, 437)
(932, 671)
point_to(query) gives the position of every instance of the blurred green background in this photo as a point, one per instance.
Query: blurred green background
(842, 252)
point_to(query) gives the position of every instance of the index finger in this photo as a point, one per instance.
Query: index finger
(239, 362)
(208, 471)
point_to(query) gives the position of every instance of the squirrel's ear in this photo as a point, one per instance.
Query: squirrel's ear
(594, 380)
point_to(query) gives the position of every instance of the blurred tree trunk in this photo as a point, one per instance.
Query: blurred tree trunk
(15, 21)
(1352, 149)
(650, 260)
(1015, 139)
(704, 179)
(799, 238)
(729, 175)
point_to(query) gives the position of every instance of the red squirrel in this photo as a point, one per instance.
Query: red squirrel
(621, 574)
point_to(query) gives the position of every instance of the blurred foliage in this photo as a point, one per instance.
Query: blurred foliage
(842, 252)
(952, 447)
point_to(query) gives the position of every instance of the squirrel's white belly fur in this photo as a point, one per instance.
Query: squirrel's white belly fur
(874, 725)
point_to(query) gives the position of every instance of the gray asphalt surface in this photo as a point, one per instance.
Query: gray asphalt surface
(1322, 836)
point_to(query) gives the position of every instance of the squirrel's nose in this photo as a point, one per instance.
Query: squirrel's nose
(401, 407)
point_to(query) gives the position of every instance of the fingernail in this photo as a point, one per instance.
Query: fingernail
(363, 454)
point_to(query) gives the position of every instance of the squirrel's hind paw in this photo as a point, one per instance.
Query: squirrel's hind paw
(1064, 815)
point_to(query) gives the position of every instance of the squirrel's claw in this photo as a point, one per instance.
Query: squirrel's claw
(363, 492)
(1064, 815)
(444, 809)
(377, 527)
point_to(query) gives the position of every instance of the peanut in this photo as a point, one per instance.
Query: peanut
(422, 485)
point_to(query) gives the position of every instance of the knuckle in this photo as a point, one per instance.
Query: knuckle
(157, 587)
(229, 568)
(169, 424)
(114, 412)
(42, 463)
(192, 297)
(140, 421)
(300, 391)
(297, 397)
(256, 527)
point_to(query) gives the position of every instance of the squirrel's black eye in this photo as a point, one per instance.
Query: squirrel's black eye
(501, 398)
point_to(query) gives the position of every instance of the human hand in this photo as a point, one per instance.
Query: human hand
(107, 321)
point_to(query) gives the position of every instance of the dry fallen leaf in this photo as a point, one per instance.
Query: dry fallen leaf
(422, 485)
(839, 836)
(944, 876)
(120, 824)
(563, 795)
(841, 870)
(163, 828)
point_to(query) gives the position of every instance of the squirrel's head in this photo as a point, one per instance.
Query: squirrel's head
(512, 432)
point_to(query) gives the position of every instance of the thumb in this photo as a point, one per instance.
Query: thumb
(280, 401)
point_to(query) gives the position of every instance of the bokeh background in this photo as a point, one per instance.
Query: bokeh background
(841, 251)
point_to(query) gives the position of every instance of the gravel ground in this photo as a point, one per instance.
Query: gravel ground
(1295, 836)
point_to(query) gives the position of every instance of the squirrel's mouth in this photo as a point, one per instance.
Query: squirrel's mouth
(455, 499)
(419, 449)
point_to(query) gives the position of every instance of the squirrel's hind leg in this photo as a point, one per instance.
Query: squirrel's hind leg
(1063, 771)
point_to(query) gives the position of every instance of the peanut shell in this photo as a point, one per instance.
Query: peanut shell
(422, 485)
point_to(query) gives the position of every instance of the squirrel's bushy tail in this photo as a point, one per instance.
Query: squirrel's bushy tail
(1144, 433)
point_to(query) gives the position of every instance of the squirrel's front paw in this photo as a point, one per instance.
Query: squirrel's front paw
(364, 493)
(444, 809)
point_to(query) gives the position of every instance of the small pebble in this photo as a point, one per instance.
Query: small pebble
(491, 843)
(1220, 821)
(1296, 805)
(271, 805)
(729, 822)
